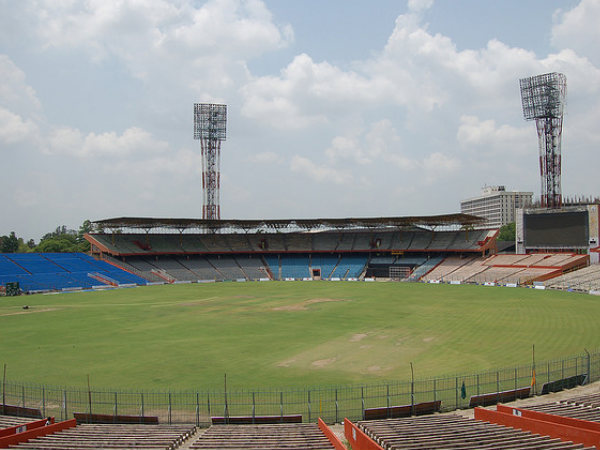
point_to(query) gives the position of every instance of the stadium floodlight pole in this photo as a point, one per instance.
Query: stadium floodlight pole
(543, 100)
(210, 127)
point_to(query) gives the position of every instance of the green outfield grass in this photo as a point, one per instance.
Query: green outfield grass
(285, 334)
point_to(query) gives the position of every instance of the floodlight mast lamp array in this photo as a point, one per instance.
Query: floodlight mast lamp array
(210, 127)
(543, 100)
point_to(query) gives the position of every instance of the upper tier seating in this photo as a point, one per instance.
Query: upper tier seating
(412, 239)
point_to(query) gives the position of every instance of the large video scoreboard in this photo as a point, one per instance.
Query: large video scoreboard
(556, 229)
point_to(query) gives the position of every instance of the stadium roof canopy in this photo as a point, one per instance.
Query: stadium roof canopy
(147, 224)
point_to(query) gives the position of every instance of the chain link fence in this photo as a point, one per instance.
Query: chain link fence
(331, 403)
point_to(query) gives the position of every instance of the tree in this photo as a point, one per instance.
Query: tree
(507, 232)
(9, 244)
(63, 239)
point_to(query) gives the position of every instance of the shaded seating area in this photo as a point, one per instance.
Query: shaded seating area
(263, 437)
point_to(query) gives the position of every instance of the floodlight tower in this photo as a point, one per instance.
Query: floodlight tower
(210, 123)
(543, 99)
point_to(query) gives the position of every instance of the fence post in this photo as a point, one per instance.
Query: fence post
(253, 407)
(208, 404)
(142, 410)
(23, 395)
(548, 371)
(169, 408)
(477, 384)
(456, 394)
(362, 401)
(115, 409)
(197, 409)
(434, 389)
(388, 402)
(65, 404)
(309, 407)
(336, 406)
(515, 378)
(44, 401)
(281, 404)
(589, 367)
(497, 386)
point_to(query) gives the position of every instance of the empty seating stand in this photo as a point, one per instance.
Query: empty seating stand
(263, 437)
(452, 431)
(56, 271)
(88, 436)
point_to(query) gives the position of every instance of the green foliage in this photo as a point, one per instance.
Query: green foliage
(507, 232)
(60, 240)
(287, 334)
(9, 244)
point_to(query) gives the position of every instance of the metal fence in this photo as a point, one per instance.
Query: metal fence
(332, 403)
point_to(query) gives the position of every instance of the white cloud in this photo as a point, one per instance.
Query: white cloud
(317, 172)
(306, 93)
(578, 29)
(69, 141)
(265, 158)
(485, 137)
(419, 5)
(14, 129)
(15, 93)
(214, 35)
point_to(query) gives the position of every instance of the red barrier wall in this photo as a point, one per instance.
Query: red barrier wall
(28, 426)
(335, 441)
(569, 421)
(358, 439)
(554, 430)
(41, 431)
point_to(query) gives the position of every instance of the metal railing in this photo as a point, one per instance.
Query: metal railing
(332, 403)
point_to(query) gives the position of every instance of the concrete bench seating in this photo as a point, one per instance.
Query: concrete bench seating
(453, 431)
(263, 437)
(92, 436)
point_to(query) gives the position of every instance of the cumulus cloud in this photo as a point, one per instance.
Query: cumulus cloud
(70, 141)
(318, 172)
(15, 93)
(14, 129)
(212, 35)
(577, 29)
(488, 138)
(265, 158)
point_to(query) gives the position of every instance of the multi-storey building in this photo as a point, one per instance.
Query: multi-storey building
(496, 205)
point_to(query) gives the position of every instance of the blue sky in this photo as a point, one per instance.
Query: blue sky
(336, 108)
